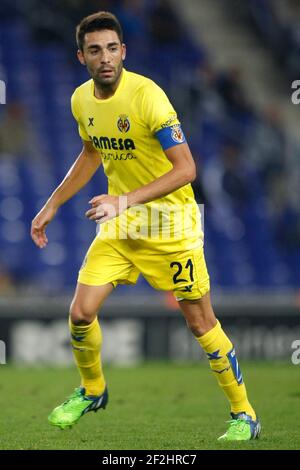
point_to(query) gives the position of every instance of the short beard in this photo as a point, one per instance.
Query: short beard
(106, 85)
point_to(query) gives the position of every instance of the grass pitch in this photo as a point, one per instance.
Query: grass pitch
(153, 406)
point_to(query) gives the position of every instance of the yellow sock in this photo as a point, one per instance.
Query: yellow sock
(86, 341)
(223, 362)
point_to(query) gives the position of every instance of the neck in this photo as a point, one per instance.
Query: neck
(103, 92)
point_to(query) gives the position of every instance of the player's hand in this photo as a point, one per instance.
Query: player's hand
(39, 224)
(106, 207)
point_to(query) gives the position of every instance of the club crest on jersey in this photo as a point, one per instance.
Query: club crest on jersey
(177, 134)
(123, 123)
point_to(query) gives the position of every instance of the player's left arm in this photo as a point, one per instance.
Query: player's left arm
(183, 172)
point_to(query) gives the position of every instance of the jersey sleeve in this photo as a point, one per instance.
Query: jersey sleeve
(160, 116)
(76, 113)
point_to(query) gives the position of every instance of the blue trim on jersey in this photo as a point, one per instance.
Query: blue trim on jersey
(170, 136)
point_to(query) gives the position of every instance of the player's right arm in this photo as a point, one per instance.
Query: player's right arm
(77, 177)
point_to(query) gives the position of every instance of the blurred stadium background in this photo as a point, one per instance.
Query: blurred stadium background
(228, 67)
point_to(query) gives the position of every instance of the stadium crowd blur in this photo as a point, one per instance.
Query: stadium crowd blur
(249, 165)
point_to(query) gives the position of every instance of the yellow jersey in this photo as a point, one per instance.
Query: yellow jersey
(131, 130)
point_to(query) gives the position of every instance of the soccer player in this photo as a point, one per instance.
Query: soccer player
(149, 220)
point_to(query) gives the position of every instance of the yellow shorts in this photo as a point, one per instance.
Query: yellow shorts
(121, 261)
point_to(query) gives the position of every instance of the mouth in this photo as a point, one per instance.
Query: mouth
(106, 72)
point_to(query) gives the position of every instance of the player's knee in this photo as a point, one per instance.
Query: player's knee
(195, 328)
(79, 316)
(200, 326)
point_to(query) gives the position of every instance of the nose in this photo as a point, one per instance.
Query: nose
(105, 57)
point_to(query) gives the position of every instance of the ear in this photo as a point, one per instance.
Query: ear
(123, 51)
(80, 57)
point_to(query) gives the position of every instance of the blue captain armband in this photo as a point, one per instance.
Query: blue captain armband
(170, 136)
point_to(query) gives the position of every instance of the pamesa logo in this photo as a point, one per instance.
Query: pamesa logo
(111, 143)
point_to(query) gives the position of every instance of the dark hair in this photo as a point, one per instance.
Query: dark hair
(97, 22)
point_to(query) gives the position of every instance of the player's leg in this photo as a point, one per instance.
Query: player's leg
(186, 274)
(201, 320)
(195, 304)
(86, 340)
(86, 335)
(199, 315)
(103, 268)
